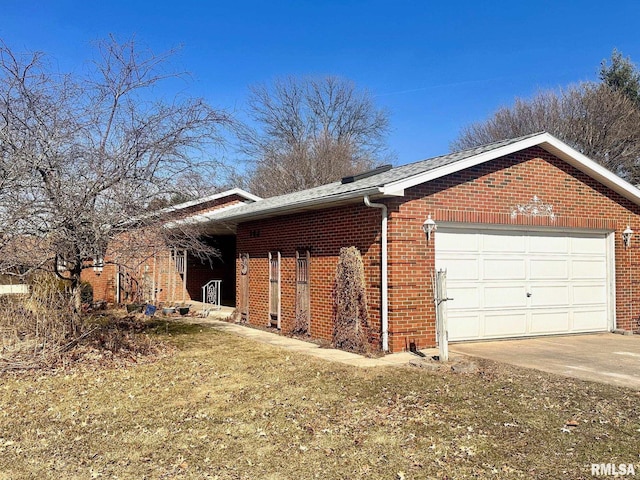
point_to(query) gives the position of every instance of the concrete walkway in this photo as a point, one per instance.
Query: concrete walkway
(308, 348)
(604, 357)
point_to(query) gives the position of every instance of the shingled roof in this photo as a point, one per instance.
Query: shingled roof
(392, 182)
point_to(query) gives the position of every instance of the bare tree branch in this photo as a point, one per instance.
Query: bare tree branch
(597, 120)
(307, 132)
(81, 156)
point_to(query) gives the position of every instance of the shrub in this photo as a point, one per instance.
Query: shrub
(350, 314)
(301, 324)
(41, 329)
(35, 327)
(86, 292)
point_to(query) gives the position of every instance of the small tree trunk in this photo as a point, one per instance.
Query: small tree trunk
(76, 290)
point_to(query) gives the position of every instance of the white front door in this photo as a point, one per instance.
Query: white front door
(512, 284)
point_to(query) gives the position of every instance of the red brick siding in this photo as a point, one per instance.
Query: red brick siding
(323, 233)
(481, 194)
(103, 284)
(168, 283)
(485, 194)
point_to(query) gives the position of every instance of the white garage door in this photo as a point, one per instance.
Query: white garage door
(513, 284)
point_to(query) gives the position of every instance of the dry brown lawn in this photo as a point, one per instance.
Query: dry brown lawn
(228, 408)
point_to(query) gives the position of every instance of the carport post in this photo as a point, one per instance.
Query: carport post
(440, 298)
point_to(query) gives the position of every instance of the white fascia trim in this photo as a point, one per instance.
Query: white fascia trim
(243, 193)
(545, 141)
(461, 165)
(201, 217)
(215, 196)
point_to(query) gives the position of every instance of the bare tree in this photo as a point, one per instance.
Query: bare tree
(597, 120)
(307, 132)
(83, 156)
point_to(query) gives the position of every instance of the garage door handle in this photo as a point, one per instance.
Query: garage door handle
(528, 294)
(440, 300)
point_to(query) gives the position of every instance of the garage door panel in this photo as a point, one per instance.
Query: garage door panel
(549, 321)
(464, 327)
(588, 268)
(504, 296)
(465, 297)
(503, 243)
(504, 269)
(586, 320)
(548, 269)
(550, 295)
(490, 272)
(462, 268)
(588, 245)
(588, 295)
(456, 242)
(548, 244)
(505, 325)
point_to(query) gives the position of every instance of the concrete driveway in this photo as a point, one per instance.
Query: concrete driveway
(601, 357)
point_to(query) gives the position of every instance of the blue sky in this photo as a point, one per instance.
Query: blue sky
(436, 66)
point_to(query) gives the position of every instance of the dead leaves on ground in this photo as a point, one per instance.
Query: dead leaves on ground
(232, 409)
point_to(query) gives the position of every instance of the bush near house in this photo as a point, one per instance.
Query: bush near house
(39, 330)
(351, 315)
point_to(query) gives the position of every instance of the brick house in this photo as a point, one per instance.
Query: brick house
(529, 230)
(168, 275)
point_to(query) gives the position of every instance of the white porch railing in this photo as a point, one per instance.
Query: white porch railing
(211, 293)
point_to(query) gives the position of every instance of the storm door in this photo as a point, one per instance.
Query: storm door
(274, 289)
(302, 292)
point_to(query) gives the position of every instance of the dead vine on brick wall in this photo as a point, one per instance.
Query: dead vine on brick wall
(301, 324)
(350, 312)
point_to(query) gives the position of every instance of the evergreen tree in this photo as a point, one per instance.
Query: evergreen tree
(622, 76)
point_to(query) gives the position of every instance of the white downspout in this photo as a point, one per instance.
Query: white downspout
(384, 279)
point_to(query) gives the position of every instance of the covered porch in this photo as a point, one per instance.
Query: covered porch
(178, 277)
